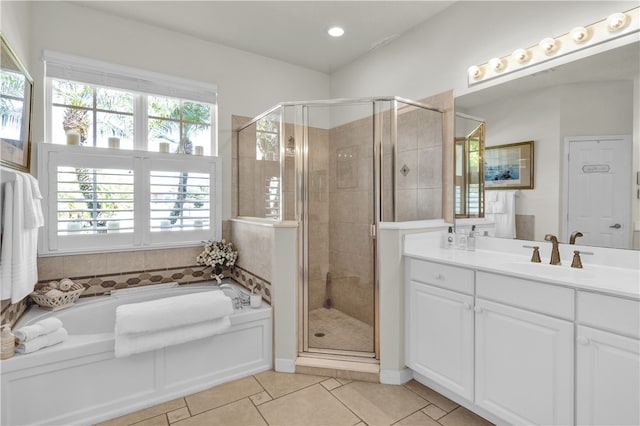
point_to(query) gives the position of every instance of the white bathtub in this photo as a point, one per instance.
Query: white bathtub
(80, 381)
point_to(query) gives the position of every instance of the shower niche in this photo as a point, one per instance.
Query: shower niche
(339, 168)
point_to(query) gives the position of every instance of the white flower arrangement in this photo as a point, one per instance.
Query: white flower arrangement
(220, 255)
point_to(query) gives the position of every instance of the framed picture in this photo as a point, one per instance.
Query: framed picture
(509, 166)
(15, 110)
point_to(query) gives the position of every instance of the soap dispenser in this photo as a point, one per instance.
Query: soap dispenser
(471, 239)
(450, 239)
(7, 343)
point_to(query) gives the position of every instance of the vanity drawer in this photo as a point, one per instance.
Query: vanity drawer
(449, 277)
(532, 295)
(609, 313)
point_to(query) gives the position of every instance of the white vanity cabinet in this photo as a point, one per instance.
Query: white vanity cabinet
(607, 360)
(439, 343)
(524, 350)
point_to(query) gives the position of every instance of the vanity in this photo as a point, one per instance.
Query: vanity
(525, 343)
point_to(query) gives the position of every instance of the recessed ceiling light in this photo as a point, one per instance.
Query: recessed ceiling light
(335, 31)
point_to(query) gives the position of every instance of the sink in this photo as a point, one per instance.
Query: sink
(561, 272)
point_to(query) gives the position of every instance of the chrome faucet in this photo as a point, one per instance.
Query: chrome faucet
(240, 299)
(555, 253)
(574, 235)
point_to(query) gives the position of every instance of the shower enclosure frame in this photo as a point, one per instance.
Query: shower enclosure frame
(379, 105)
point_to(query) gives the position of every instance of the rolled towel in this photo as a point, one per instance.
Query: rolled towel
(65, 284)
(40, 328)
(38, 343)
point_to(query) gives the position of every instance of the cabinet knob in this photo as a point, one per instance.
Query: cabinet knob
(583, 340)
(466, 306)
(438, 276)
(477, 309)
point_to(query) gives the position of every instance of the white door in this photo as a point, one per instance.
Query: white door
(607, 378)
(524, 365)
(599, 190)
(441, 337)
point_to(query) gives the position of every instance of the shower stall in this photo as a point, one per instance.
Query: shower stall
(340, 168)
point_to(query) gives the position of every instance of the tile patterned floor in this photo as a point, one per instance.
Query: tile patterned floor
(339, 331)
(272, 398)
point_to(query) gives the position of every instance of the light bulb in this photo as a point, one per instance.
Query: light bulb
(496, 64)
(616, 21)
(475, 71)
(520, 55)
(548, 45)
(579, 34)
(335, 32)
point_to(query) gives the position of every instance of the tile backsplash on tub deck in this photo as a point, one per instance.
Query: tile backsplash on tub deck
(103, 272)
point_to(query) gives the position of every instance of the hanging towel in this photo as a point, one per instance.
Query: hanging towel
(40, 328)
(33, 217)
(18, 257)
(129, 344)
(505, 222)
(38, 343)
(21, 218)
(172, 312)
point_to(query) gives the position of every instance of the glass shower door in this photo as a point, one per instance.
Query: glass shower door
(339, 248)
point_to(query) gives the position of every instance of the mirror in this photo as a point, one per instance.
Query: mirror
(15, 109)
(469, 176)
(590, 99)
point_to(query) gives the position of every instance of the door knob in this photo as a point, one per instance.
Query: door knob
(616, 226)
(477, 309)
(466, 305)
(583, 340)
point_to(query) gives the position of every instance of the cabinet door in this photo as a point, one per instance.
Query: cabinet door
(524, 365)
(607, 378)
(440, 336)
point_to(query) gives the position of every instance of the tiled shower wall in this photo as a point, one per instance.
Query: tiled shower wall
(350, 218)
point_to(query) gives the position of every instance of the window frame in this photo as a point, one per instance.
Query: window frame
(50, 156)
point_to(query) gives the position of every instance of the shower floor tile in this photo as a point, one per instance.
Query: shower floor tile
(339, 331)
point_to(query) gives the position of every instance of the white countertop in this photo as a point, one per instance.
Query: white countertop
(512, 259)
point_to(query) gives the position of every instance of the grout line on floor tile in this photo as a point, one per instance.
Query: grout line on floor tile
(345, 405)
(272, 398)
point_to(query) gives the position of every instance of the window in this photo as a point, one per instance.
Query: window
(131, 197)
(144, 110)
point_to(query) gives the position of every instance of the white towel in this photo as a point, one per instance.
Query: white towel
(18, 257)
(40, 328)
(128, 344)
(495, 207)
(38, 343)
(33, 217)
(172, 312)
(506, 221)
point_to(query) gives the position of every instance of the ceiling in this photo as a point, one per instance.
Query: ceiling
(291, 31)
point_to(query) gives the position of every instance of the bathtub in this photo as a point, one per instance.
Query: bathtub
(80, 381)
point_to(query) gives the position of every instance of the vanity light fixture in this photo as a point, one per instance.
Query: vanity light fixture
(579, 34)
(335, 31)
(520, 55)
(548, 45)
(475, 71)
(617, 26)
(496, 64)
(616, 21)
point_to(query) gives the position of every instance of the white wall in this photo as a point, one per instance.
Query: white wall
(15, 25)
(247, 83)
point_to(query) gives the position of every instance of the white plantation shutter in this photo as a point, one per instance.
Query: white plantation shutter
(96, 201)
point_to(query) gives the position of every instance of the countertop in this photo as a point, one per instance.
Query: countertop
(514, 260)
